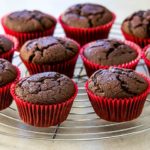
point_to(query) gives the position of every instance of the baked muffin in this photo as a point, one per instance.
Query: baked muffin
(117, 89)
(50, 54)
(86, 15)
(136, 27)
(8, 75)
(8, 45)
(5, 44)
(146, 56)
(87, 22)
(45, 96)
(28, 24)
(109, 52)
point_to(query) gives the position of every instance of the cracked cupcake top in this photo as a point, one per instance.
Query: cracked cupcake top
(5, 44)
(117, 83)
(138, 24)
(86, 15)
(8, 72)
(48, 50)
(28, 21)
(109, 52)
(45, 88)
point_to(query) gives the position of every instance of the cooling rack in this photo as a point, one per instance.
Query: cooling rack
(82, 123)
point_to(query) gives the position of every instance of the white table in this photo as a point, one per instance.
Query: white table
(134, 142)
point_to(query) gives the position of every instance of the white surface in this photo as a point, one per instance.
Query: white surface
(55, 7)
(138, 142)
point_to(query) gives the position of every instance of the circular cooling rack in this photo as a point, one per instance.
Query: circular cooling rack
(82, 122)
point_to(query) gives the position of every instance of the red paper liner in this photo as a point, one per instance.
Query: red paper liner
(141, 42)
(92, 67)
(85, 35)
(64, 67)
(5, 96)
(43, 115)
(147, 61)
(9, 54)
(25, 36)
(117, 109)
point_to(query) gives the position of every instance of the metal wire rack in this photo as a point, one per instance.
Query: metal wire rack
(82, 123)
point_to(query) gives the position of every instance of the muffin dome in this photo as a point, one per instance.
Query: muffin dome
(109, 52)
(5, 44)
(48, 50)
(45, 88)
(8, 72)
(86, 15)
(117, 83)
(28, 21)
(138, 24)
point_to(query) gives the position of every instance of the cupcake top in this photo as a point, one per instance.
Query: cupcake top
(147, 53)
(109, 52)
(8, 72)
(138, 24)
(86, 15)
(45, 88)
(48, 50)
(28, 21)
(5, 44)
(117, 83)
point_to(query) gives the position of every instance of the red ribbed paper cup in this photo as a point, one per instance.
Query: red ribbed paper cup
(64, 67)
(25, 36)
(142, 42)
(147, 61)
(117, 109)
(43, 115)
(92, 67)
(85, 35)
(5, 96)
(9, 54)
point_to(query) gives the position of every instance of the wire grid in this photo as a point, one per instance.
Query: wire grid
(82, 122)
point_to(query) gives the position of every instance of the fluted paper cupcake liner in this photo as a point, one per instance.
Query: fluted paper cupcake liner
(5, 96)
(64, 67)
(147, 61)
(9, 54)
(92, 67)
(25, 36)
(142, 42)
(85, 35)
(117, 109)
(43, 115)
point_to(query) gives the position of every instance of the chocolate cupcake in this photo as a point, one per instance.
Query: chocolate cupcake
(27, 24)
(113, 91)
(45, 98)
(87, 22)
(136, 27)
(50, 54)
(8, 75)
(8, 45)
(105, 53)
(5, 44)
(146, 56)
